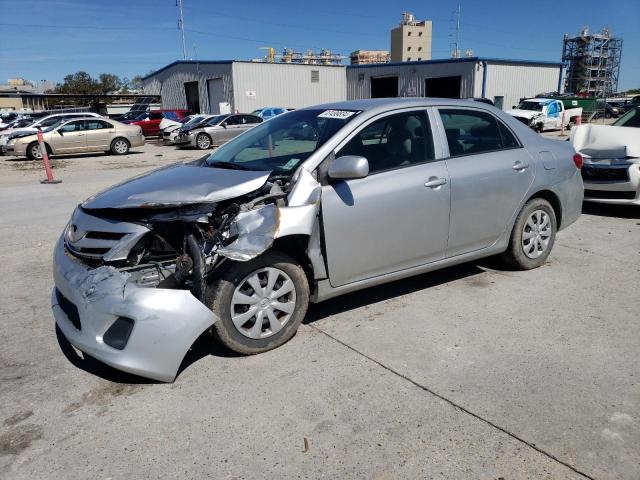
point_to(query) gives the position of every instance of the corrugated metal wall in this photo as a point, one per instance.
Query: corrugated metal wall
(258, 85)
(515, 81)
(411, 78)
(169, 83)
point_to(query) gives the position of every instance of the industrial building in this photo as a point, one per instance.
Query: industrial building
(592, 62)
(228, 85)
(503, 81)
(365, 57)
(411, 40)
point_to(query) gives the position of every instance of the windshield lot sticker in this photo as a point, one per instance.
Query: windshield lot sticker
(291, 163)
(340, 114)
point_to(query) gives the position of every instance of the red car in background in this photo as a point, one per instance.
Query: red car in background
(151, 124)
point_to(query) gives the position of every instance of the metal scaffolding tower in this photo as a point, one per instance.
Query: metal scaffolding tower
(591, 62)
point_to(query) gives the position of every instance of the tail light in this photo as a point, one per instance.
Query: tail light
(577, 159)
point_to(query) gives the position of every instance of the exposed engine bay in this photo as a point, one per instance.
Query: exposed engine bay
(156, 242)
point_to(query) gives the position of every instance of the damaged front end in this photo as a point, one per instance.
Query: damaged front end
(133, 268)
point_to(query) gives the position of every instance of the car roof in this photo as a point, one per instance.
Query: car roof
(383, 104)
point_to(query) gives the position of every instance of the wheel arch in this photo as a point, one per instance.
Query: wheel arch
(296, 247)
(553, 199)
(47, 146)
(120, 137)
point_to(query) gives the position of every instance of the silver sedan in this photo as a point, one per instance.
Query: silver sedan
(304, 207)
(215, 130)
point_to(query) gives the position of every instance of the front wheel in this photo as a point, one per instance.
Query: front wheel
(260, 303)
(533, 235)
(203, 141)
(120, 146)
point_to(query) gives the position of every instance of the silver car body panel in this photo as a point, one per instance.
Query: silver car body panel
(167, 322)
(179, 184)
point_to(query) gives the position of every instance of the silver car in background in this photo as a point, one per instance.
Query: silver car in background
(215, 130)
(304, 207)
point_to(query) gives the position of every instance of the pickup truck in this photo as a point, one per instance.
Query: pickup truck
(545, 114)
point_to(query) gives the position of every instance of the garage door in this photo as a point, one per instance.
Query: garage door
(384, 87)
(216, 95)
(443, 87)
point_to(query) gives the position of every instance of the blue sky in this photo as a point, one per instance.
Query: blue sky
(129, 37)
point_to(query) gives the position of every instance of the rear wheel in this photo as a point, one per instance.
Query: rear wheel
(260, 304)
(533, 235)
(120, 146)
(203, 141)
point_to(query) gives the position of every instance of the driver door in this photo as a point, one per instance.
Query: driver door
(398, 216)
(70, 138)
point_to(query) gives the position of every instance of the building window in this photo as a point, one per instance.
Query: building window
(419, 49)
(419, 58)
(315, 76)
(408, 49)
(408, 34)
(408, 59)
(419, 34)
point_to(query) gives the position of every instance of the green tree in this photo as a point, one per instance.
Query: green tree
(136, 83)
(79, 82)
(109, 83)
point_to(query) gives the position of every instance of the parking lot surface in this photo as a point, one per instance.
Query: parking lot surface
(471, 372)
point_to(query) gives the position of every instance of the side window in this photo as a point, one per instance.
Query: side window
(552, 109)
(471, 131)
(251, 119)
(76, 126)
(171, 116)
(508, 139)
(97, 125)
(233, 120)
(394, 141)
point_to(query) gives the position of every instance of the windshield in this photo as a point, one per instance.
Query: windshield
(54, 125)
(282, 143)
(533, 106)
(629, 119)
(194, 121)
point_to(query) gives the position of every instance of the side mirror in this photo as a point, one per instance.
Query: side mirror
(514, 107)
(349, 167)
(61, 133)
(223, 124)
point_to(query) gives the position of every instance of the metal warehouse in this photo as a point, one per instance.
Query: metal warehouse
(228, 85)
(503, 81)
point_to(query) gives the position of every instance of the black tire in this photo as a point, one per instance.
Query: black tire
(120, 146)
(220, 293)
(516, 256)
(33, 151)
(203, 141)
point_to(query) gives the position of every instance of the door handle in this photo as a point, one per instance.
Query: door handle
(435, 182)
(519, 166)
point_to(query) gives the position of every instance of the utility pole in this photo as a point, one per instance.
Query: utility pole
(456, 51)
(181, 27)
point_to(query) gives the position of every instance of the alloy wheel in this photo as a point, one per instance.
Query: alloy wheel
(203, 142)
(120, 147)
(536, 234)
(36, 152)
(263, 302)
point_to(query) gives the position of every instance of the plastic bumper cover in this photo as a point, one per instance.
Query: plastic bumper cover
(166, 322)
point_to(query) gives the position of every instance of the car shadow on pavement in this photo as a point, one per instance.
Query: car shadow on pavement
(77, 155)
(606, 210)
(398, 288)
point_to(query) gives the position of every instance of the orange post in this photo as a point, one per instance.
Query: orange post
(45, 159)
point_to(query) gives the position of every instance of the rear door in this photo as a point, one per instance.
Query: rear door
(490, 174)
(70, 138)
(99, 134)
(398, 216)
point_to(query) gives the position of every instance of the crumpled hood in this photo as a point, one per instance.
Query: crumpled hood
(523, 113)
(606, 141)
(177, 185)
